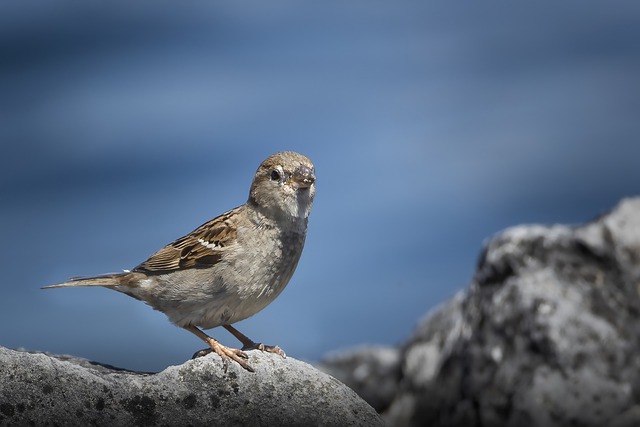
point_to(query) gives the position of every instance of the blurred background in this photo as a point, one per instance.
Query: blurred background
(432, 126)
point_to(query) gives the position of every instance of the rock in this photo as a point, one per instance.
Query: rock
(39, 389)
(547, 334)
(373, 371)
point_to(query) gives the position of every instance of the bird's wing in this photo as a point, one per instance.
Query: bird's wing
(203, 247)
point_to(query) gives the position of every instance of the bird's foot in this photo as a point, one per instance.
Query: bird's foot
(201, 353)
(248, 344)
(268, 348)
(225, 354)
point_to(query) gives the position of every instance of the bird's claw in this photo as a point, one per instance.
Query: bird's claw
(225, 354)
(268, 348)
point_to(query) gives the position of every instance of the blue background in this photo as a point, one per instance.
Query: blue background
(432, 125)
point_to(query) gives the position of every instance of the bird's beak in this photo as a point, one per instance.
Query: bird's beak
(303, 177)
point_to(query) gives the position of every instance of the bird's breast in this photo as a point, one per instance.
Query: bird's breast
(262, 270)
(250, 275)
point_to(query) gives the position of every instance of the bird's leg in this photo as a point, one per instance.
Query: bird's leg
(248, 344)
(223, 351)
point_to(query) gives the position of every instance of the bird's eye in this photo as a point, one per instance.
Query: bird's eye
(275, 175)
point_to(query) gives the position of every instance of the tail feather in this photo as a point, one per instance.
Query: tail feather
(106, 280)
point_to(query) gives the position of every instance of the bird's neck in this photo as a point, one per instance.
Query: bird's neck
(271, 217)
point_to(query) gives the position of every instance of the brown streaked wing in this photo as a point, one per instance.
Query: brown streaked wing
(190, 252)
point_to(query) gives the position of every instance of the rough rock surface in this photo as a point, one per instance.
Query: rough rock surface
(547, 334)
(38, 389)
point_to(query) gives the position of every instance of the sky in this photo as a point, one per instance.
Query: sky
(432, 126)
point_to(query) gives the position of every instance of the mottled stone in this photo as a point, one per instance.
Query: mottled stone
(41, 389)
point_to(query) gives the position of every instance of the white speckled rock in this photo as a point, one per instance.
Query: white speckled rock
(39, 389)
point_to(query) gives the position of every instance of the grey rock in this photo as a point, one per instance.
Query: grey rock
(373, 371)
(39, 389)
(547, 334)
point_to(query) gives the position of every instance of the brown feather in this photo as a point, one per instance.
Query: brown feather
(201, 248)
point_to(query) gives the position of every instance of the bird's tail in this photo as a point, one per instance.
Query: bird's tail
(106, 280)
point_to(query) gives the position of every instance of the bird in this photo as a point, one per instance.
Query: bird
(232, 266)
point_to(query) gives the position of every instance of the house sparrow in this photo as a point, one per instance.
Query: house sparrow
(232, 266)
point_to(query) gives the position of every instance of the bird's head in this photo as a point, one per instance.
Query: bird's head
(284, 185)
